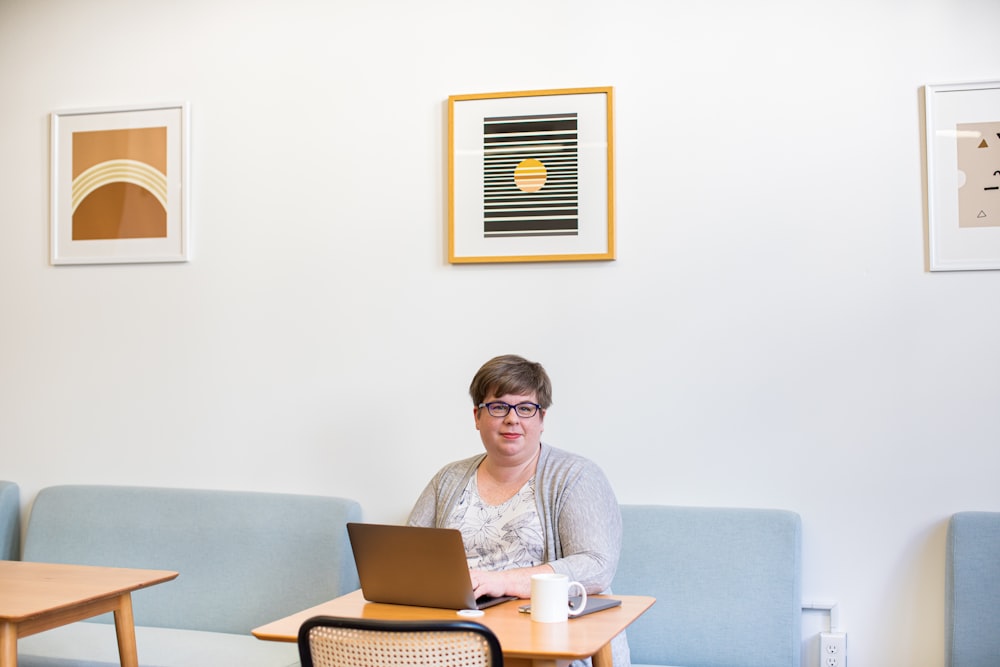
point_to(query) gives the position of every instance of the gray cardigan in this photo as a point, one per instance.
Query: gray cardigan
(581, 520)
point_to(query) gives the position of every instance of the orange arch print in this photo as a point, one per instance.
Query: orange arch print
(120, 184)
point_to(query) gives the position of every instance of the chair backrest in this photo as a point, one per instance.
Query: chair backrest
(328, 641)
(727, 583)
(10, 521)
(972, 590)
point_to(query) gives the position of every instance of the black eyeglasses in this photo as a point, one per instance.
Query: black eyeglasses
(500, 409)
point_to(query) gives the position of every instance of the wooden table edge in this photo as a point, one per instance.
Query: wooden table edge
(602, 657)
(96, 601)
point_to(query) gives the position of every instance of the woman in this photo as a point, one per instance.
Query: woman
(524, 507)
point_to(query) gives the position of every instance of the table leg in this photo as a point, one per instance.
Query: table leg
(603, 657)
(8, 644)
(125, 629)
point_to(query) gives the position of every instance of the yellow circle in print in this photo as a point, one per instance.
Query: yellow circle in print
(530, 175)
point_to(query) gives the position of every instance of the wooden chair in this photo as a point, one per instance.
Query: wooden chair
(327, 641)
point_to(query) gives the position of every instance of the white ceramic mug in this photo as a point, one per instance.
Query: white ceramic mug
(550, 595)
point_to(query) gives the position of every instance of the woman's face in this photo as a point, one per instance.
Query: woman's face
(510, 439)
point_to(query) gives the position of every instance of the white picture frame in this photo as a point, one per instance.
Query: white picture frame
(120, 185)
(962, 135)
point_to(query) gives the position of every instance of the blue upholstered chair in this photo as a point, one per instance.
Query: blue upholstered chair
(972, 589)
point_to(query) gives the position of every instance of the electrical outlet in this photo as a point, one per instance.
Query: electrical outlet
(833, 649)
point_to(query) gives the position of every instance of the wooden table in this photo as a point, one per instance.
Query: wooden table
(41, 596)
(523, 641)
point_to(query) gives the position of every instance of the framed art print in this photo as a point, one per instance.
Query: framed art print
(120, 185)
(963, 176)
(531, 176)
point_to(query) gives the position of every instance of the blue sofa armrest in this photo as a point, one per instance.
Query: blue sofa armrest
(727, 584)
(972, 590)
(10, 521)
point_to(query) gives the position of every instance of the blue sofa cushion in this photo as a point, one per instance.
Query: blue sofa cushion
(244, 558)
(94, 645)
(972, 589)
(727, 584)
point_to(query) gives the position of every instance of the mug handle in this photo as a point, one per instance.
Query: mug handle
(583, 598)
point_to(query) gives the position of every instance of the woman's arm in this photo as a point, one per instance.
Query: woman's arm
(424, 511)
(589, 529)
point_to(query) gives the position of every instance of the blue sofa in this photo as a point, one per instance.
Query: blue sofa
(727, 581)
(244, 558)
(972, 590)
(727, 584)
(10, 520)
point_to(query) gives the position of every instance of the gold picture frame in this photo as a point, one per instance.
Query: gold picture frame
(120, 185)
(531, 176)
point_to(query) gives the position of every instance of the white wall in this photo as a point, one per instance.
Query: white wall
(768, 336)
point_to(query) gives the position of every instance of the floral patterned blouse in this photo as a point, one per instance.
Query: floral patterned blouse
(499, 537)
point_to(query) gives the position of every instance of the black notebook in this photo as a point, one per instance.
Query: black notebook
(593, 604)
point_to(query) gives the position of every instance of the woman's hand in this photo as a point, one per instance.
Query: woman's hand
(516, 582)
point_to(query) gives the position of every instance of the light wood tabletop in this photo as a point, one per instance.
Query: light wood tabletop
(40, 596)
(522, 640)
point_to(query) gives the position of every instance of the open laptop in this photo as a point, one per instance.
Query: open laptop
(423, 567)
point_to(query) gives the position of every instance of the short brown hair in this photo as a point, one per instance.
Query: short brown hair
(511, 374)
